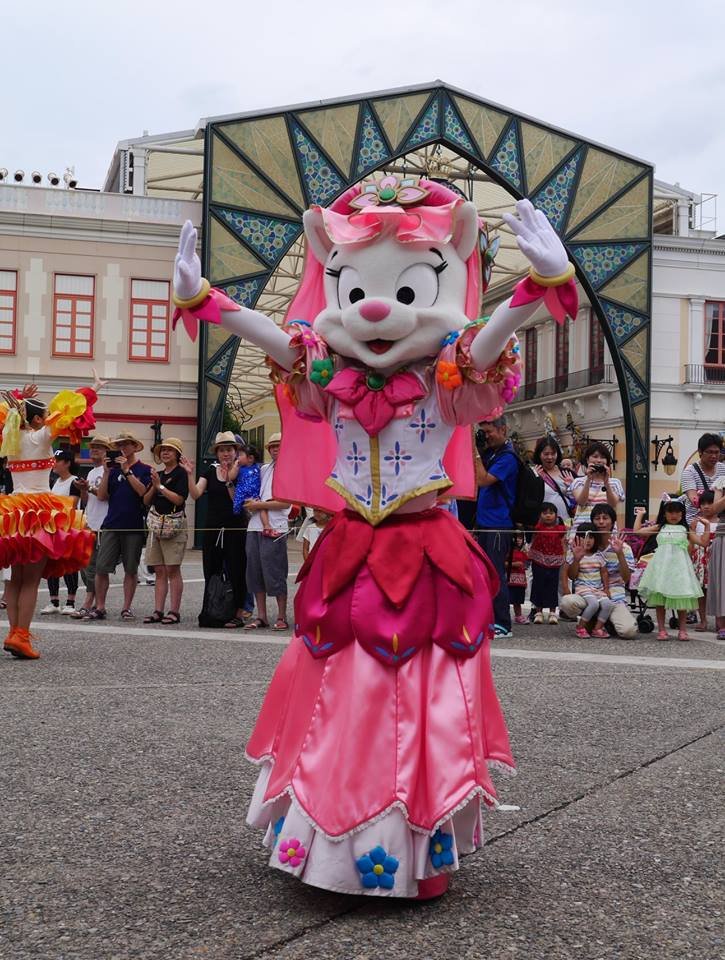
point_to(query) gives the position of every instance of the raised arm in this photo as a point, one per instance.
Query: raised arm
(191, 291)
(551, 269)
(196, 487)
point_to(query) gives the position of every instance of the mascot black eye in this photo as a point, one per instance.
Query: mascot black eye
(349, 287)
(417, 285)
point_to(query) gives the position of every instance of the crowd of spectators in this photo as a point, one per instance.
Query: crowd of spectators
(577, 551)
(574, 554)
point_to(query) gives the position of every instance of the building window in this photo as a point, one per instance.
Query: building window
(596, 348)
(73, 316)
(255, 438)
(530, 347)
(149, 338)
(562, 356)
(8, 308)
(714, 339)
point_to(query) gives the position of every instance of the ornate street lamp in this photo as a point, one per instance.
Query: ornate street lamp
(669, 461)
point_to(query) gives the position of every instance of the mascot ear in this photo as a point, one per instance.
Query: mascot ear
(317, 239)
(465, 230)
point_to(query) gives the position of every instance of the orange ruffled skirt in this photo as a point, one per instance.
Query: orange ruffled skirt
(38, 525)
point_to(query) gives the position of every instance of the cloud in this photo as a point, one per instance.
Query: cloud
(634, 76)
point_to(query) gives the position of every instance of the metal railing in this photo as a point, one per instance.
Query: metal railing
(573, 380)
(704, 373)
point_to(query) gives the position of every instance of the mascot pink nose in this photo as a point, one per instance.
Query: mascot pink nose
(374, 310)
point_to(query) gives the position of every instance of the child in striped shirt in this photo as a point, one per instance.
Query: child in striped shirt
(588, 571)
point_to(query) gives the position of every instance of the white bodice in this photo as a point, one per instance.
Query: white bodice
(35, 445)
(377, 475)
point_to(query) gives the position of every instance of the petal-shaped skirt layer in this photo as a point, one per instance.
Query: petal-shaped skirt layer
(34, 526)
(351, 738)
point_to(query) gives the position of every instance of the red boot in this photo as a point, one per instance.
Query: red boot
(433, 887)
(18, 643)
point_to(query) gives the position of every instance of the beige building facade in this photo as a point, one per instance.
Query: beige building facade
(570, 378)
(85, 282)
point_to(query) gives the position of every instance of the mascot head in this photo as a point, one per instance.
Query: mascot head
(392, 267)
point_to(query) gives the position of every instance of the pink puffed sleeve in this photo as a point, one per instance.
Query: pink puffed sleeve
(467, 395)
(305, 383)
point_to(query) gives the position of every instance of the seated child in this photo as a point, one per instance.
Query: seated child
(588, 572)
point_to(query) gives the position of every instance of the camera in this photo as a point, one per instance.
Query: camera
(598, 468)
(113, 455)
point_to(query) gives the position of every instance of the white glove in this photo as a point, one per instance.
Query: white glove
(537, 240)
(187, 266)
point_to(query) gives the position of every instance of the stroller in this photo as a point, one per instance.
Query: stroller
(643, 547)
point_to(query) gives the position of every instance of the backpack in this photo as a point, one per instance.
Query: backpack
(529, 496)
(218, 606)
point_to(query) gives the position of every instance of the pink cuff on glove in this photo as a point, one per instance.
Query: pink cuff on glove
(210, 310)
(561, 301)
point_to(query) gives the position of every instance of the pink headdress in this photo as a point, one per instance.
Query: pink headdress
(412, 212)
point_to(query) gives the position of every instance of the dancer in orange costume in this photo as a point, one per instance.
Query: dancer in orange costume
(41, 535)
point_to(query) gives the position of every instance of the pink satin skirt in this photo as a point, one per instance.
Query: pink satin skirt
(356, 751)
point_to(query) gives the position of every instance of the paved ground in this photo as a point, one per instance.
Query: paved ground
(123, 790)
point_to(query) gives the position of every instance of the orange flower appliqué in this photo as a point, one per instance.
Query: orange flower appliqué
(448, 375)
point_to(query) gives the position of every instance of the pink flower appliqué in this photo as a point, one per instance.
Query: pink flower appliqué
(309, 338)
(292, 852)
(389, 190)
(510, 386)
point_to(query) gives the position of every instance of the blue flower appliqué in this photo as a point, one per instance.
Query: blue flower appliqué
(422, 425)
(441, 849)
(377, 869)
(367, 498)
(387, 496)
(398, 457)
(450, 338)
(355, 457)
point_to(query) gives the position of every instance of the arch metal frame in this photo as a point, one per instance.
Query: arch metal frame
(263, 169)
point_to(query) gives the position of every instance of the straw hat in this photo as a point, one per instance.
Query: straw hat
(275, 438)
(223, 438)
(99, 441)
(168, 442)
(125, 436)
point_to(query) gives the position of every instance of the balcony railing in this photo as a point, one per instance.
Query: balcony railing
(702, 373)
(574, 380)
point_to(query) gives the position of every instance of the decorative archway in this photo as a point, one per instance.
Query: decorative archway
(264, 169)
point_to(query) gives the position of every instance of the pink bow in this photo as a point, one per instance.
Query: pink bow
(209, 310)
(415, 224)
(560, 301)
(374, 409)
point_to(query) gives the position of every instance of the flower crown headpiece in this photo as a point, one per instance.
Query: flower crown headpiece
(390, 190)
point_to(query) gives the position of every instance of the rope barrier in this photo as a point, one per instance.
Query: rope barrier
(622, 534)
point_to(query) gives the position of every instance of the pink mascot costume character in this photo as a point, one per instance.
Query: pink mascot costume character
(381, 722)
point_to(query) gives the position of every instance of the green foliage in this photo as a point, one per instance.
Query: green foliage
(230, 422)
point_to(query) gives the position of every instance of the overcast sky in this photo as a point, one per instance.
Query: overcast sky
(646, 78)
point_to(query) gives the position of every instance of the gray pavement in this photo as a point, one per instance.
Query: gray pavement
(123, 790)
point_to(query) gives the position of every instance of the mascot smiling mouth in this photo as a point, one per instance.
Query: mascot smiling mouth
(379, 346)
